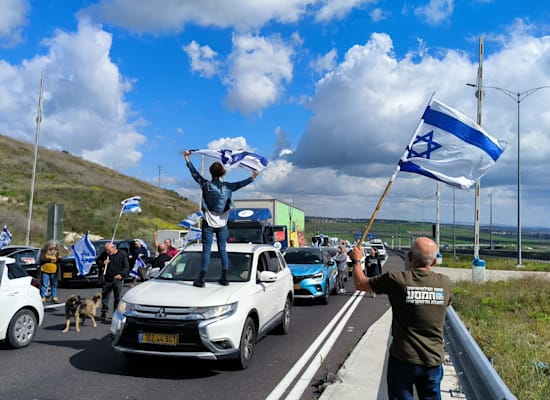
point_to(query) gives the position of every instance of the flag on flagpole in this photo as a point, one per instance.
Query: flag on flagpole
(5, 237)
(191, 220)
(84, 254)
(137, 265)
(235, 158)
(193, 235)
(450, 147)
(131, 205)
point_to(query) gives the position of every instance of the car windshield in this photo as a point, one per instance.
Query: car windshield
(303, 257)
(186, 266)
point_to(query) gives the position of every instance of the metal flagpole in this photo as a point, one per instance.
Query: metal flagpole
(36, 135)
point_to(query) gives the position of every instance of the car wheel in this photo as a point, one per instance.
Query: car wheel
(22, 329)
(326, 295)
(284, 327)
(248, 341)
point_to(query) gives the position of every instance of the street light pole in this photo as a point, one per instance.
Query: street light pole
(491, 220)
(518, 97)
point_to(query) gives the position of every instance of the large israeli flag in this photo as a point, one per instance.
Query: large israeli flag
(84, 254)
(236, 158)
(450, 147)
(131, 205)
(5, 237)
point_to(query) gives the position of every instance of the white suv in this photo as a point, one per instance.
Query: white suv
(168, 316)
(21, 309)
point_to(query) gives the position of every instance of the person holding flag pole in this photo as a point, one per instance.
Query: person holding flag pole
(116, 264)
(448, 147)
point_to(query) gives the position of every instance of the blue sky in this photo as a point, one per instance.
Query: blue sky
(330, 91)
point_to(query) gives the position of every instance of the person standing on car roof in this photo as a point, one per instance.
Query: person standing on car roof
(116, 269)
(216, 203)
(49, 258)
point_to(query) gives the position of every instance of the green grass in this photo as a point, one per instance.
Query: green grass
(499, 264)
(510, 321)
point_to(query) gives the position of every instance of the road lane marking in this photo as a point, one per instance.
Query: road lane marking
(292, 374)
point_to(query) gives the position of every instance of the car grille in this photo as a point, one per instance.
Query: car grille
(161, 320)
(302, 292)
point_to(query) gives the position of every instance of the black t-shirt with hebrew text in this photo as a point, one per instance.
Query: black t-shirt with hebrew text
(419, 301)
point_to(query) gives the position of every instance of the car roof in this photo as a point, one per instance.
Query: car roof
(233, 247)
(4, 251)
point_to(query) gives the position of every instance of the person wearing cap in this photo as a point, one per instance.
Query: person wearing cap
(419, 298)
(216, 203)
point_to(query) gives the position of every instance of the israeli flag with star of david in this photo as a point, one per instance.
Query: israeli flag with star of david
(235, 158)
(450, 147)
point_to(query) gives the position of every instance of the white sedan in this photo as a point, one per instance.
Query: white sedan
(168, 316)
(21, 308)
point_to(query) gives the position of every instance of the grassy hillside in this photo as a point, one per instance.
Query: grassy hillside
(90, 194)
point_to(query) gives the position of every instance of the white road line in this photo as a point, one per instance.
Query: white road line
(309, 373)
(291, 375)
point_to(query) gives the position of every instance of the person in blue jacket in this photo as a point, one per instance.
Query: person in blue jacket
(216, 204)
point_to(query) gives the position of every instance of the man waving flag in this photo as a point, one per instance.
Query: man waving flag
(5, 237)
(450, 147)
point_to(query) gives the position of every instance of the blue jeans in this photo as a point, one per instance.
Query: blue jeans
(48, 280)
(402, 376)
(207, 238)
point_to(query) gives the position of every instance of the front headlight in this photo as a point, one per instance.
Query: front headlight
(125, 307)
(215, 311)
(318, 275)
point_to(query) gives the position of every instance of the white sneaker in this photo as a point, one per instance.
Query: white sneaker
(373, 295)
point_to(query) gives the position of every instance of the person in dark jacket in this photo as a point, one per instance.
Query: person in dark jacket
(216, 203)
(163, 257)
(116, 267)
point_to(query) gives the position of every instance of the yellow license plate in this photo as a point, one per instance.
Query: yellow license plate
(296, 286)
(67, 275)
(158, 338)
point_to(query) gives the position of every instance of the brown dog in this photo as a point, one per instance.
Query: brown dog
(80, 308)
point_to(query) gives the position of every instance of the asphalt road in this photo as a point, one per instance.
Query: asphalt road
(82, 365)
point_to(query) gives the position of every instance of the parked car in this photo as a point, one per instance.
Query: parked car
(314, 272)
(168, 316)
(26, 257)
(21, 309)
(68, 272)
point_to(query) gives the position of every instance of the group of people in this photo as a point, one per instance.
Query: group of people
(114, 267)
(419, 296)
(373, 266)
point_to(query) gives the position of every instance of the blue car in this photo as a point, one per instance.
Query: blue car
(314, 272)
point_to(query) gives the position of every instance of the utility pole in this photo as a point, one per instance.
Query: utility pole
(160, 173)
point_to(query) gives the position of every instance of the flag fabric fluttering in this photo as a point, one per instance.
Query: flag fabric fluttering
(131, 205)
(5, 237)
(137, 265)
(235, 158)
(84, 254)
(450, 147)
(193, 235)
(191, 220)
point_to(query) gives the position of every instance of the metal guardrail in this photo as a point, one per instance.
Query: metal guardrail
(476, 374)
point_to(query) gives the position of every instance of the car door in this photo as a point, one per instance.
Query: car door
(268, 295)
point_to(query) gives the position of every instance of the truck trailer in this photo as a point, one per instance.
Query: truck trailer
(282, 214)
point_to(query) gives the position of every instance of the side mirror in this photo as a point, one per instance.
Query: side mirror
(267, 276)
(154, 273)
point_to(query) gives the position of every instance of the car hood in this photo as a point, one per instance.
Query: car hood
(183, 294)
(305, 269)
